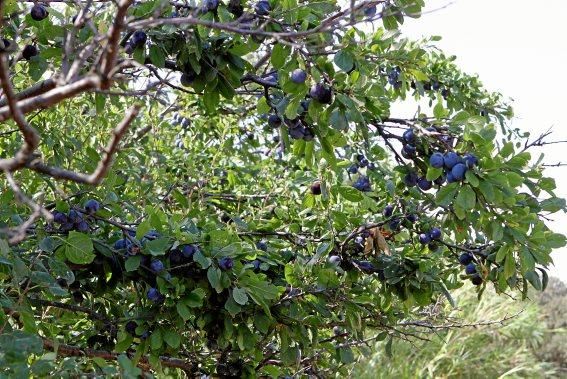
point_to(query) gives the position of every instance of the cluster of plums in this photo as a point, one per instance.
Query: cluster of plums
(433, 235)
(362, 183)
(38, 12)
(393, 77)
(74, 220)
(455, 166)
(434, 85)
(184, 122)
(395, 223)
(297, 128)
(467, 260)
(364, 266)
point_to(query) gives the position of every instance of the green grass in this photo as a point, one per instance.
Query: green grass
(516, 349)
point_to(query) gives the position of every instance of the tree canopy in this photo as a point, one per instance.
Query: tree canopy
(222, 188)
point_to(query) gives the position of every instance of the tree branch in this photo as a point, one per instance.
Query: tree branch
(64, 350)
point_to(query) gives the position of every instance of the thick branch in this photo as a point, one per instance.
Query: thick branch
(52, 97)
(31, 137)
(109, 59)
(64, 350)
(34, 90)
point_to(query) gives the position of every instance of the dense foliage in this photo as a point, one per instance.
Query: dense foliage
(265, 213)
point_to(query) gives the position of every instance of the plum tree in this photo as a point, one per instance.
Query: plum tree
(256, 190)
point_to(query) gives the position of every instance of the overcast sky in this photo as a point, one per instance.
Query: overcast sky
(518, 48)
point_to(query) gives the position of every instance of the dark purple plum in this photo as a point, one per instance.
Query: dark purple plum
(424, 184)
(226, 263)
(316, 188)
(321, 93)
(39, 12)
(388, 210)
(274, 121)
(451, 159)
(435, 233)
(298, 76)
(262, 8)
(92, 206)
(436, 160)
(465, 258)
(29, 51)
(409, 136)
(424, 238)
(458, 171)
(470, 269)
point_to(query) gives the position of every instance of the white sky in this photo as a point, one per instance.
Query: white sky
(518, 48)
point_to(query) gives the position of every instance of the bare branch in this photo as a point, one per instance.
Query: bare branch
(31, 137)
(53, 96)
(109, 59)
(34, 90)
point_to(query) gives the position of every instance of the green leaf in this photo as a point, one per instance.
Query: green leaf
(232, 306)
(183, 311)
(466, 198)
(239, 295)
(262, 322)
(534, 280)
(158, 246)
(507, 149)
(350, 193)
(48, 244)
(433, 173)
(124, 342)
(79, 248)
(203, 261)
(279, 55)
(502, 253)
(214, 276)
(446, 194)
(172, 338)
(487, 190)
(555, 240)
(497, 231)
(472, 178)
(156, 339)
(344, 60)
(133, 263)
(509, 266)
(346, 354)
(211, 99)
(195, 298)
(100, 102)
(157, 56)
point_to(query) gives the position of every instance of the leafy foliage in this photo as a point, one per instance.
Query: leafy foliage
(242, 229)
